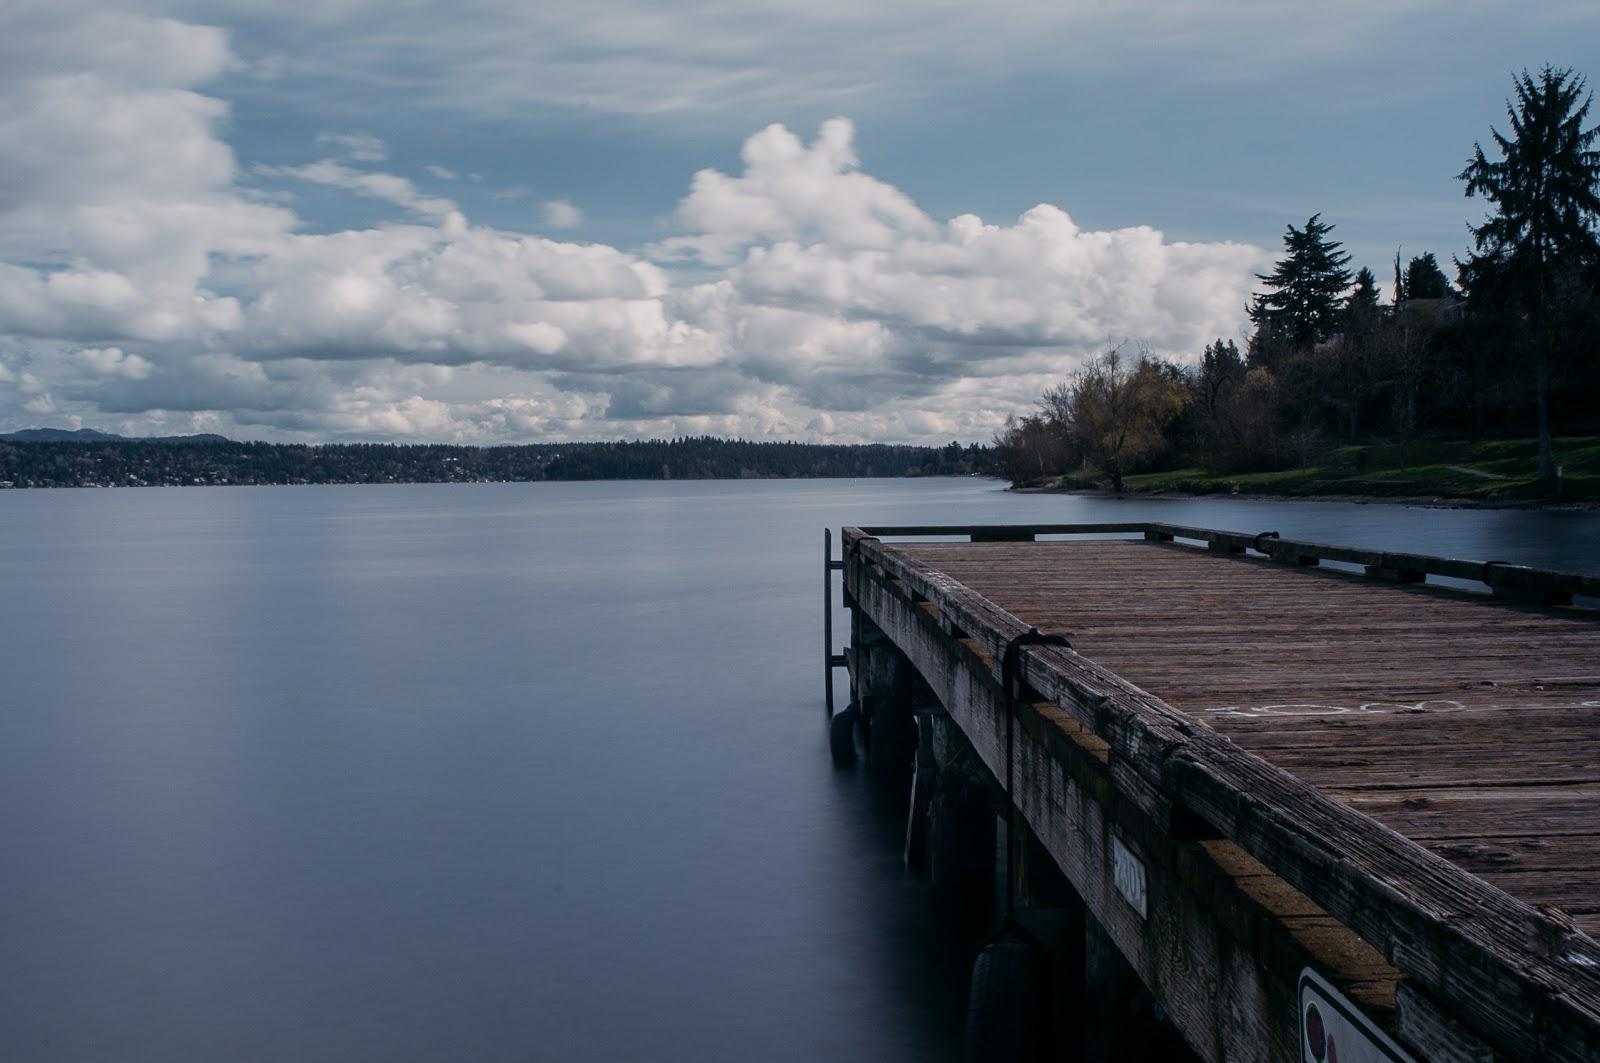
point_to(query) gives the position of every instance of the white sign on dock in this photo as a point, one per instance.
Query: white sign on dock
(1333, 1030)
(1127, 874)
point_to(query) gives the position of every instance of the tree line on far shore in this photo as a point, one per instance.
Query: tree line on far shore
(139, 463)
(1510, 347)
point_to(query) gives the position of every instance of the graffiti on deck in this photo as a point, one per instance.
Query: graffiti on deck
(1370, 708)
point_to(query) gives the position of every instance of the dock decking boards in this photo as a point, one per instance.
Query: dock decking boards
(1471, 727)
(1383, 714)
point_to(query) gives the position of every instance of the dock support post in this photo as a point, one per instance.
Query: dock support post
(961, 832)
(1051, 910)
(890, 725)
(884, 686)
(961, 848)
(924, 770)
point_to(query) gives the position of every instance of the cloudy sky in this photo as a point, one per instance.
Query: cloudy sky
(495, 221)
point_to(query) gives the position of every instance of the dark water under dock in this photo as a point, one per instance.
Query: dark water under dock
(484, 772)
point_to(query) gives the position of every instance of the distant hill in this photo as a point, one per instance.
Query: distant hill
(89, 435)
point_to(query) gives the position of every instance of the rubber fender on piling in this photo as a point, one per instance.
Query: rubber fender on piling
(842, 734)
(1003, 1012)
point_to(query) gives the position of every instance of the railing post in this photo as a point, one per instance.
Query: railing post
(827, 619)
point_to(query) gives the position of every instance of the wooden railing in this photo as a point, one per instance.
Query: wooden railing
(1502, 578)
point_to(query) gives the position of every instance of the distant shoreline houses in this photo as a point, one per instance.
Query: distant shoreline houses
(35, 461)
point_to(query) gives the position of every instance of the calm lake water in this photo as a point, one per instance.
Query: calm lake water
(488, 772)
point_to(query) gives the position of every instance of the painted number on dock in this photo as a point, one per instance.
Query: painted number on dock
(1127, 873)
(1333, 1030)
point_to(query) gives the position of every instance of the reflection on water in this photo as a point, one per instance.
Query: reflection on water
(484, 772)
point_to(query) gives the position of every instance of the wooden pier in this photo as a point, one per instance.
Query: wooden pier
(1283, 779)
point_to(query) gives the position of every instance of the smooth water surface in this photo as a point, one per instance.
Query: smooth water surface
(483, 772)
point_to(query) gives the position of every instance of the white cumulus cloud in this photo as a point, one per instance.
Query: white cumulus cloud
(114, 361)
(144, 282)
(791, 191)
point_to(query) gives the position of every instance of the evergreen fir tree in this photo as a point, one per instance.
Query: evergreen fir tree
(1424, 279)
(1302, 304)
(1364, 303)
(1350, 366)
(1545, 188)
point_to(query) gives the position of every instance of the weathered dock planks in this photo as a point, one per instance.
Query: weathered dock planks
(1394, 782)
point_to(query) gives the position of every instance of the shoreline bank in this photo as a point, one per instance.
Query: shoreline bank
(1412, 501)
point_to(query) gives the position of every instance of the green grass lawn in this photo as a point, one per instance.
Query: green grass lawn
(1493, 471)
